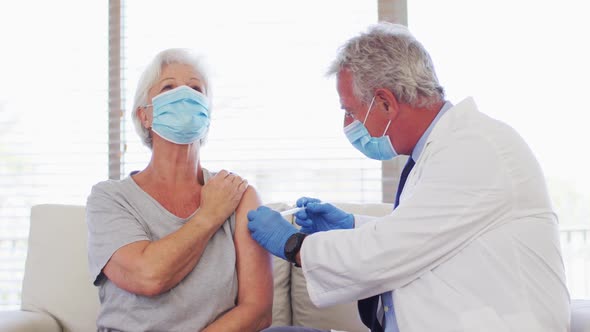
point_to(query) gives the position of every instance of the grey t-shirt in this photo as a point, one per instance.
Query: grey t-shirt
(119, 213)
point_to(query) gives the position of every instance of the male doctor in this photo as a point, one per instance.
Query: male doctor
(472, 244)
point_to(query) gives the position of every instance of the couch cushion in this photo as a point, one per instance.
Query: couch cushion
(281, 307)
(56, 277)
(344, 316)
(341, 317)
(281, 269)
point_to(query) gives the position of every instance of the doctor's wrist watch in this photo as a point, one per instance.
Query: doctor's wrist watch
(292, 247)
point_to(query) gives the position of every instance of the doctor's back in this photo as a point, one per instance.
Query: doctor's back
(506, 273)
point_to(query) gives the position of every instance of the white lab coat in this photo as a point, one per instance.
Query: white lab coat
(473, 245)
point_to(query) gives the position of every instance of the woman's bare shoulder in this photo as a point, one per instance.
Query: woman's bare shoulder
(250, 200)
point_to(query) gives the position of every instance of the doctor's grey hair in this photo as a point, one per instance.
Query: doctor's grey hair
(152, 73)
(388, 56)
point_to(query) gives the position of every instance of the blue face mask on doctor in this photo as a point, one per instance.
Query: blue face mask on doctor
(378, 148)
(181, 115)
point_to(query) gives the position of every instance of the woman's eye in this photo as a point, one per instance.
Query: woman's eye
(197, 88)
(167, 87)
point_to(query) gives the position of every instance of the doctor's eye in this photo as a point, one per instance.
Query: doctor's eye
(348, 115)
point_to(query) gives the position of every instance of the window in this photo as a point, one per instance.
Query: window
(53, 117)
(525, 63)
(276, 118)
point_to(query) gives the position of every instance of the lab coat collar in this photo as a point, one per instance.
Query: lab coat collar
(446, 122)
(422, 141)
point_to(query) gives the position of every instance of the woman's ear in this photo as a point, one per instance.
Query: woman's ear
(389, 102)
(143, 118)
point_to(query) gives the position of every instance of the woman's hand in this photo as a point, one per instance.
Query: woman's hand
(221, 195)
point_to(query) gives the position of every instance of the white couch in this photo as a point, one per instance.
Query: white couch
(59, 296)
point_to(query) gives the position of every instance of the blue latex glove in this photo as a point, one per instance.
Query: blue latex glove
(270, 230)
(319, 217)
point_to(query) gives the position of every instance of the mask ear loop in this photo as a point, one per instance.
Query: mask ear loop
(188, 152)
(386, 128)
(369, 110)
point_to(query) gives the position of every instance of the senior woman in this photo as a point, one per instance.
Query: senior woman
(169, 246)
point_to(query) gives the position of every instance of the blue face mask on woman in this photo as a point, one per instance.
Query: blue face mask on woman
(181, 115)
(378, 148)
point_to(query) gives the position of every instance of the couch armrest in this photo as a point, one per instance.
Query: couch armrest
(580, 315)
(27, 321)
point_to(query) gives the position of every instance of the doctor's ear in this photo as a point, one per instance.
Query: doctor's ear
(388, 100)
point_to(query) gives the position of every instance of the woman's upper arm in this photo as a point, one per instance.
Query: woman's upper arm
(115, 237)
(253, 262)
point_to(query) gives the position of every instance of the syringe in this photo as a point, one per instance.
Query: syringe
(291, 211)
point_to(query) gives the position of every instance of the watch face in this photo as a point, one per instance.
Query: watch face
(291, 243)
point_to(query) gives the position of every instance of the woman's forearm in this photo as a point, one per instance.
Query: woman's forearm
(174, 256)
(154, 267)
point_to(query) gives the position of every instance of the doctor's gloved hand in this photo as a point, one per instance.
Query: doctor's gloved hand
(319, 217)
(270, 230)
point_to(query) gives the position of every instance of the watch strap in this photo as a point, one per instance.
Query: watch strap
(292, 254)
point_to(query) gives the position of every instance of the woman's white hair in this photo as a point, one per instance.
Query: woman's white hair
(152, 73)
(388, 56)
